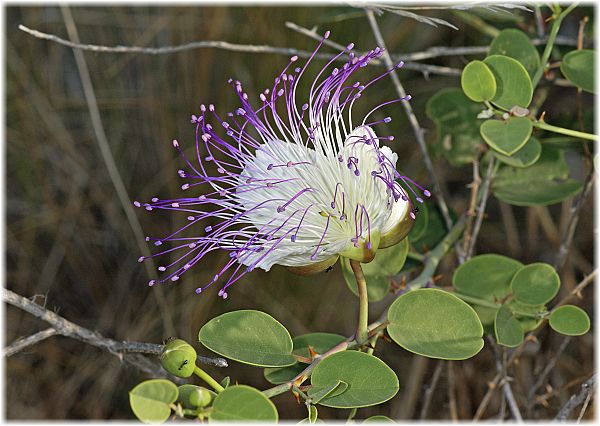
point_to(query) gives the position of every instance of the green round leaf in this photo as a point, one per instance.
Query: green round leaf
(507, 136)
(545, 182)
(387, 262)
(455, 117)
(507, 328)
(241, 402)
(378, 419)
(436, 324)
(312, 413)
(251, 337)
(486, 314)
(524, 157)
(513, 84)
(478, 82)
(535, 284)
(486, 276)
(320, 342)
(578, 67)
(318, 393)
(515, 44)
(150, 400)
(370, 381)
(278, 375)
(570, 320)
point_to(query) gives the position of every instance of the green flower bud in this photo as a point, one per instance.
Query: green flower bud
(200, 397)
(179, 358)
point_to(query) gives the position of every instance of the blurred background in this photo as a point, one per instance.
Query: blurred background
(69, 240)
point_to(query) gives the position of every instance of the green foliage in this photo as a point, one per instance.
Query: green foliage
(545, 182)
(378, 419)
(318, 393)
(434, 228)
(529, 316)
(370, 381)
(507, 136)
(312, 414)
(513, 297)
(319, 342)
(507, 328)
(478, 82)
(248, 336)
(513, 84)
(515, 44)
(243, 403)
(388, 262)
(178, 358)
(526, 156)
(487, 276)
(436, 324)
(150, 400)
(535, 284)
(457, 128)
(578, 67)
(570, 320)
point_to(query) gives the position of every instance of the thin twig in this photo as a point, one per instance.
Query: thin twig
(576, 292)
(418, 131)
(481, 209)
(245, 48)
(586, 388)
(24, 342)
(452, 392)
(547, 370)
(67, 328)
(474, 186)
(567, 238)
(430, 53)
(430, 390)
(408, 58)
(539, 21)
(501, 368)
(112, 168)
(584, 406)
(412, 384)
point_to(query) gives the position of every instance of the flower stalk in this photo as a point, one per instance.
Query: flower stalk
(362, 331)
(209, 380)
(563, 131)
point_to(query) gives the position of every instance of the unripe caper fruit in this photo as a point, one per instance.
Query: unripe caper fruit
(178, 358)
(200, 397)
